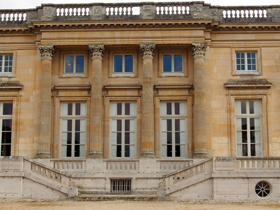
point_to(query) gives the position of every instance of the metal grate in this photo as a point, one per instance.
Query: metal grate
(262, 189)
(121, 186)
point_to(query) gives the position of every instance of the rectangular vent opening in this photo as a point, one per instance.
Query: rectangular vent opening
(121, 186)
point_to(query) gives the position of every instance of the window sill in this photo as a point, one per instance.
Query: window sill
(172, 74)
(65, 75)
(123, 75)
(8, 75)
(247, 73)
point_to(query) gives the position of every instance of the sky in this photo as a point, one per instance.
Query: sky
(25, 4)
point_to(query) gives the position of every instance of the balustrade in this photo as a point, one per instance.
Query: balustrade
(245, 13)
(122, 166)
(258, 163)
(6, 16)
(173, 165)
(69, 165)
(174, 9)
(72, 10)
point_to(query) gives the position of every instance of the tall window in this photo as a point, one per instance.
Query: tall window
(73, 129)
(123, 63)
(173, 63)
(246, 61)
(248, 128)
(6, 63)
(173, 129)
(6, 114)
(74, 64)
(123, 125)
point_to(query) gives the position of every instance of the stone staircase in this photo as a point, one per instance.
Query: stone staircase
(189, 176)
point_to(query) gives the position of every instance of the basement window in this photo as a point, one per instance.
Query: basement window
(262, 189)
(121, 186)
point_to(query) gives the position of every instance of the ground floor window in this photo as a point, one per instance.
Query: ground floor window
(123, 127)
(6, 115)
(248, 128)
(173, 129)
(73, 129)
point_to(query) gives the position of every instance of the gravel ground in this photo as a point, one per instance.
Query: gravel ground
(134, 205)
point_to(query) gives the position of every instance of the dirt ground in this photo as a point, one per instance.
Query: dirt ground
(134, 205)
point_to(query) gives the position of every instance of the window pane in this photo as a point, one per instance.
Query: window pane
(243, 107)
(82, 151)
(78, 109)
(7, 125)
(128, 63)
(244, 136)
(127, 108)
(64, 138)
(169, 150)
(169, 138)
(164, 138)
(177, 108)
(77, 151)
(163, 109)
(77, 125)
(6, 150)
(177, 151)
(118, 66)
(6, 137)
(167, 63)
(168, 108)
(77, 138)
(80, 64)
(257, 107)
(177, 138)
(7, 108)
(244, 150)
(164, 151)
(127, 151)
(178, 63)
(69, 64)
(70, 105)
(244, 123)
(119, 109)
(251, 107)
(132, 151)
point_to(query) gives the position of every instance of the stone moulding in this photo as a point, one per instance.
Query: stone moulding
(248, 83)
(10, 85)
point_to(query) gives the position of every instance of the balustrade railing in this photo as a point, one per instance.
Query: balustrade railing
(122, 166)
(172, 9)
(72, 10)
(46, 172)
(172, 165)
(245, 13)
(12, 15)
(194, 170)
(69, 165)
(263, 163)
(144, 10)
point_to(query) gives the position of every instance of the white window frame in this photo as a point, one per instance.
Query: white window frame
(247, 116)
(5, 117)
(258, 56)
(246, 62)
(173, 117)
(172, 65)
(123, 117)
(2, 72)
(72, 117)
(74, 64)
(123, 73)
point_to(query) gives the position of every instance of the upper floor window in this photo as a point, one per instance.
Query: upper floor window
(73, 129)
(172, 63)
(173, 129)
(246, 61)
(6, 115)
(74, 64)
(123, 63)
(6, 63)
(248, 128)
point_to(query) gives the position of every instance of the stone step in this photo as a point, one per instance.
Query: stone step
(97, 197)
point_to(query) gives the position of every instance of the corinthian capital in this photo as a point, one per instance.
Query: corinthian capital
(148, 50)
(96, 50)
(199, 49)
(46, 51)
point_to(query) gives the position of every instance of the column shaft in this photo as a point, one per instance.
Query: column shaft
(147, 102)
(96, 105)
(200, 101)
(45, 102)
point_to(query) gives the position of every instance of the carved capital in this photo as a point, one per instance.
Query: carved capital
(46, 51)
(198, 49)
(96, 50)
(148, 50)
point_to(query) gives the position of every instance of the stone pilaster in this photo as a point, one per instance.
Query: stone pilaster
(44, 102)
(96, 107)
(148, 101)
(200, 102)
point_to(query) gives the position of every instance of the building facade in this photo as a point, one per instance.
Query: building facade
(167, 100)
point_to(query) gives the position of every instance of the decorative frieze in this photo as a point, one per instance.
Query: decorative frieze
(97, 51)
(148, 50)
(198, 49)
(46, 51)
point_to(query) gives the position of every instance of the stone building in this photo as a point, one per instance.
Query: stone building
(147, 100)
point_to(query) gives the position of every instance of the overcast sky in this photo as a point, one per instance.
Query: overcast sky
(24, 4)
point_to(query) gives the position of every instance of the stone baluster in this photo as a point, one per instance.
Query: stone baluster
(200, 102)
(147, 101)
(96, 137)
(46, 52)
